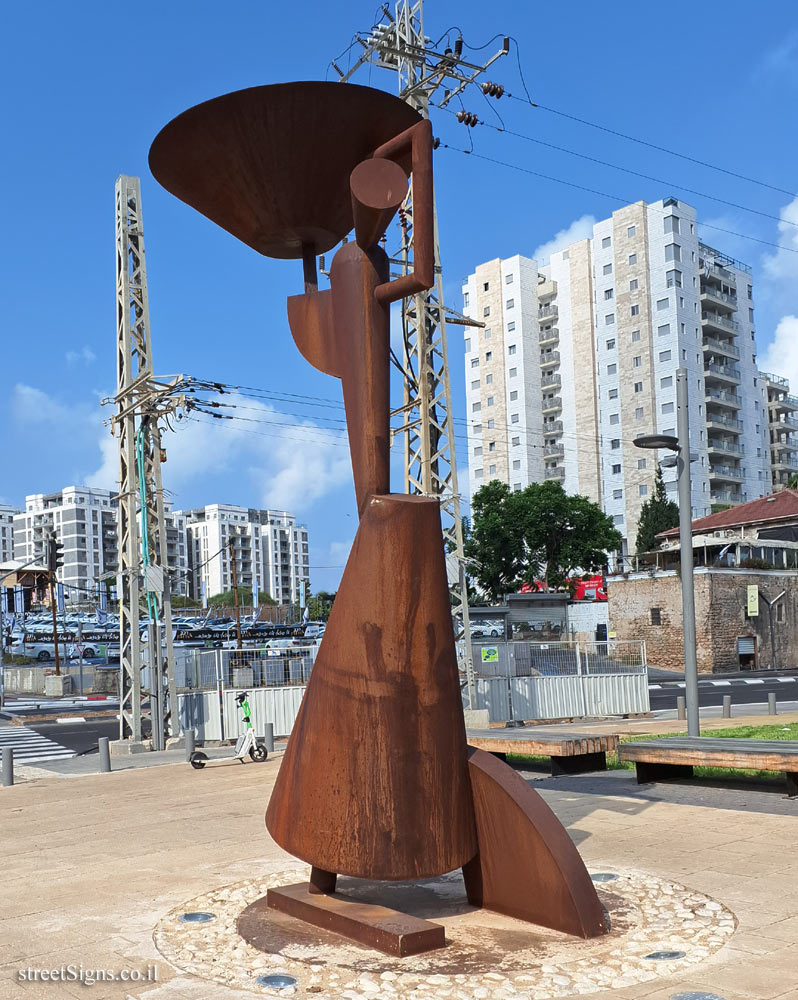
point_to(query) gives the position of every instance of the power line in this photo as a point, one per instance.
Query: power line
(605, 194)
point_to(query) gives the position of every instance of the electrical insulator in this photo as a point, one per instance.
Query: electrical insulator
(467, 118)
(436, 142)
(458, 47)
(490, 89)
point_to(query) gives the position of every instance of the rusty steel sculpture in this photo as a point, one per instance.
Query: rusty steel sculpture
(378, 781)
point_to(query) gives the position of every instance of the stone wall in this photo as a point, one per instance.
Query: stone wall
(721, 617)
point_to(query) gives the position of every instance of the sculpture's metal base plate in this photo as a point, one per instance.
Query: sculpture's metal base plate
(488, 956)
(370, 924)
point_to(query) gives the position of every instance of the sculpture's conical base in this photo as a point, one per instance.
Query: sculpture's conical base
(375, 780)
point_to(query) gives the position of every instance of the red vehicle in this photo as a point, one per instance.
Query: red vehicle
(584, 588)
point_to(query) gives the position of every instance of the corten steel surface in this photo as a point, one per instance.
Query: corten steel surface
(527, 866)
(375, 926)
(375, 782)
(271, 164)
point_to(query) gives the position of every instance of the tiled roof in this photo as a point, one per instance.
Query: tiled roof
(781, 506)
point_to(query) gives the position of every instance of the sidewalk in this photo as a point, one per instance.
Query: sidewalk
(92, 865)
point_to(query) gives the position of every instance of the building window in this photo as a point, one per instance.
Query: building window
(514, 394)
(486, 311)
(607, 269)
(476, 407)
(616, 470)
(511, 349)
(477, 449)
(662, 304)
(490, 400)
(673, 279)
(671, 224)
(509, 304)
(610, 344)
(635, 336)
(609, 292)
(488, 379)
(615, 418)
(490, 424)
(514, 418)
(631, 231)
(664, 330)
(641, 463)
(667, 407)
(486, 287)
(612, 369)
(465, 300)
(467, 344)
(508, 279)
(606, 242)
(637, 361)
(516, 463)
(664, 355)
(617, 494)
(633, 285)
(750, 291)
(655, 616)
(475, 384)
(615, 444)
(638, 386)
(667, 382)
(632, 259)
(491, 446)
(634, 311)
(478, 473)
(618, 519)
(639, 413)
(516, 441)
(513, 372)
(609, 319)
(673, 252)
(566, 254)
(511, 326)
(475, 362)
(486, 333)
(612, 394)
(488, 355)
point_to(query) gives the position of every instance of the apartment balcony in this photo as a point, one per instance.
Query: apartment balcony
(549, 358)
(714, 272)
(551, 336)
(783, 461)
(787, 423)
(729, 448)
(727, 472)
(554, 450)
(721, 397)
(551, 428)
(549, 311)
(551, 381)
(723, 422)
(777, 380)
(711, 296)
(725, 496)
(725, 374)
(718, 321)
(785, 404)
(549, 405)
(556, 472)
(724, 347)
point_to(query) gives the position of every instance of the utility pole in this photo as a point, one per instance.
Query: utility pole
(234, 577)
(53, 552)
(141, 401)
(398, 43)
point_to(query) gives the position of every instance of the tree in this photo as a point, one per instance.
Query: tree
(657, 514)
(792, 482)
(319, 607)
(227, 599)
(537, 533)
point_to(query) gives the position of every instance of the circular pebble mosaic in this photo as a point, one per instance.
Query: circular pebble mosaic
(488, 956)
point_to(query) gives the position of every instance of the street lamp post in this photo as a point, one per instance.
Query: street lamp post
(681, 445)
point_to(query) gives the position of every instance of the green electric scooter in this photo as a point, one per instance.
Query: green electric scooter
(245, 744)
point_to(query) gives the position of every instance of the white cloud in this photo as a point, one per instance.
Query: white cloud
(85, 354)
(781, 355)
(288, 467)
(782, 265)
(580, 229)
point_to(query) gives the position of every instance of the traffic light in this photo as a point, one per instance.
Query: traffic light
(55, 554)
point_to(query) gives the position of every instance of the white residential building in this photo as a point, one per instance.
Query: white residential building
(578, 357)
(7, 532)
(269, 545)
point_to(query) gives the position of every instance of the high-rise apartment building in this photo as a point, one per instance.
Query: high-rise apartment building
(783, 413)
(269, 545)
(578, 357)
(7, 532)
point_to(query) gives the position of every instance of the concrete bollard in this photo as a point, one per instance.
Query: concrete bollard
(681, 707)
(268, 736)
(103, 745)
(727, 706)
(8, 766)
(190, 743)
(772, 703)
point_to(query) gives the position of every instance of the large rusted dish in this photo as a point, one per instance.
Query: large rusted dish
(271, 164)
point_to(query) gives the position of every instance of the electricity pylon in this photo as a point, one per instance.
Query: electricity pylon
(398, 43)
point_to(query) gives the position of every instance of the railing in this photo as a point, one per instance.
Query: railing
(717, 320)
(555, 403)
(721, 345)
(776, 379)
(553, 427)
(786, 402)
(719, 296)
(549, 357)
(554, 449)
(558, 472)
(731, 448)
(546, 335)
(546, 311)
(729, 371)
(727, 397)
(725, 472)
(788, 462)
(724, 496)
(732, 422)
(547, 380)
(208, 669)
(786, 422)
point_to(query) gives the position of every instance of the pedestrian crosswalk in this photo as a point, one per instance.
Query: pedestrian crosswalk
(12, 704)
(30, 746)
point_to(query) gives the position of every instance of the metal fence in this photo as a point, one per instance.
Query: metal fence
(560, 680)
(206, 669)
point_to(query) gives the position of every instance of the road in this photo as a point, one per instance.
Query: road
(743, 691)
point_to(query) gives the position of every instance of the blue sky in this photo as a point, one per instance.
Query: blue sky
(88, 85)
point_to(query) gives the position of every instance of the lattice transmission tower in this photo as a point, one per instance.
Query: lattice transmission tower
(398, 43)
(141, 401)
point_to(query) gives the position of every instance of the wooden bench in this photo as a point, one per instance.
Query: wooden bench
(570, 753)
(676, 757)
